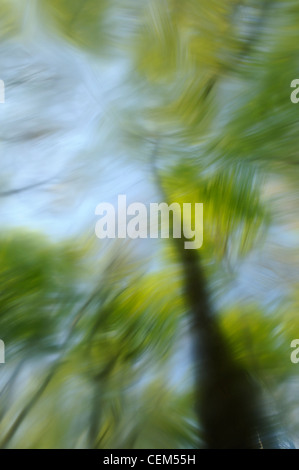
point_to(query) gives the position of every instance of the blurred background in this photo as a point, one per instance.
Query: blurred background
(141, 343)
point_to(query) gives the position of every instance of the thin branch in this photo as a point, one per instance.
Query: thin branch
(12, 192)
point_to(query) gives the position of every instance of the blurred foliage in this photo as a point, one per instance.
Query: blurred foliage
(103, 341)
(79, 21)
(37, 286)
(8, 21)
